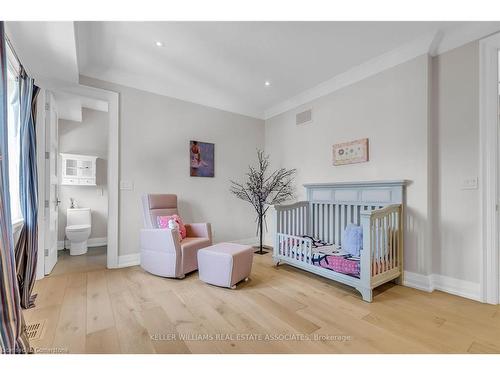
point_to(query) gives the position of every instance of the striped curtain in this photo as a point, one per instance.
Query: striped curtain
(27, 245)
(13, 337)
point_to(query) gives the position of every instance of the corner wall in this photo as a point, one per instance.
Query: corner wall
(456, 98)
(391, 109)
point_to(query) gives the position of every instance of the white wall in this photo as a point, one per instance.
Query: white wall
(456, 101)
(422, 121)
(391, 109)
(89, 137)
(155, 132)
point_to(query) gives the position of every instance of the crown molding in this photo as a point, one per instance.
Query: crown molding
(367, 69)
(465, 34)
(432, 44)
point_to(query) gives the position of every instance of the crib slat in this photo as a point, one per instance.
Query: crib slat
(331, 224)
(326, 222)
(314, 220)
(395, 233)
(393, 216)
(320, 221)
(339, 224)
(304, 221)
(379, 244)
(382, 248)
(372, 247)
(386, 246)
(295, 222)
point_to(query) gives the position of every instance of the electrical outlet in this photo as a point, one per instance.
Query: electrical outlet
(469, 183)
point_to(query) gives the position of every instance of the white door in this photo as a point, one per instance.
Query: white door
(51, 183)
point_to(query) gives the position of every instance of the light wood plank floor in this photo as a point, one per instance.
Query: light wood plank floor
(89, 309)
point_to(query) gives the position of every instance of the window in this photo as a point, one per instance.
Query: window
(13, 142)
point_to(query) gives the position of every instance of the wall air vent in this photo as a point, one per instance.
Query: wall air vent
(304, 117)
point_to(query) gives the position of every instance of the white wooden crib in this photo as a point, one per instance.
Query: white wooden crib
(376, 206)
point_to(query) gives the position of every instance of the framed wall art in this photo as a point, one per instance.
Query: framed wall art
(201, 159)
(350, 152)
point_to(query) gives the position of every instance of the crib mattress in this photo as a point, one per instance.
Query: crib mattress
(341, 263)
(333, 258)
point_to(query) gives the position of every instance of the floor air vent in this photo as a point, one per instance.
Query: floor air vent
(304, 117)
(34, 330)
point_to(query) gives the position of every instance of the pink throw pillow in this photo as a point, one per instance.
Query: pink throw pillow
(163, 223)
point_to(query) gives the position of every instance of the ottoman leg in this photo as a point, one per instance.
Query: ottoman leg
(233, 287)
(246, 278)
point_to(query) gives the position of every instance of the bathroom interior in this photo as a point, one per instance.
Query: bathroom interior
(82, 188)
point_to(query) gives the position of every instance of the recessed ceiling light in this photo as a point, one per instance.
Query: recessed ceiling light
(267, 83)
(159, 44)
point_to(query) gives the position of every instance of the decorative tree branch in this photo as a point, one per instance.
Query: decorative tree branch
(262, 190)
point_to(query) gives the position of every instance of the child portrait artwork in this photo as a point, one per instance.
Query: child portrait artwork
(201, 158)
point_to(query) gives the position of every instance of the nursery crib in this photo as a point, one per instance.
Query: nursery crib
(309, 234)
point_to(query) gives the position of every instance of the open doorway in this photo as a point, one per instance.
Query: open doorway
(82, 188)
(78, 180)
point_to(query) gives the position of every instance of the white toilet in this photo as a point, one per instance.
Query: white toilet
(78, 229)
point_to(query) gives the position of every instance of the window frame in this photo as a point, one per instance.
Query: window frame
(14, 69)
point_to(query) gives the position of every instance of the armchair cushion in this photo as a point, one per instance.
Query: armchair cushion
(190, 247)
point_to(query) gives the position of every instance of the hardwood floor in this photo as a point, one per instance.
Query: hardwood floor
(90, 309)
(95, 259)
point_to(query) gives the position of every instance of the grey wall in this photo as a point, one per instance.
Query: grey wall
(391, 109)
(89, 137)
(456, 113)
(154, 155)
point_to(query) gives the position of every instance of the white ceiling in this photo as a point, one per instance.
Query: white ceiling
(47, 49)
(225, 64)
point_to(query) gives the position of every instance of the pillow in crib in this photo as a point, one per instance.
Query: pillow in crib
(352, 243)
(162, 222)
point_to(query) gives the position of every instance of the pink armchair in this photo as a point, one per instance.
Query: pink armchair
(162, 253)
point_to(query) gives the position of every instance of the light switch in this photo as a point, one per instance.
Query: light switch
(469, 183)
(126, 185)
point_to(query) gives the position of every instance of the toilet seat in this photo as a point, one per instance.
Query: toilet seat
(77, 228)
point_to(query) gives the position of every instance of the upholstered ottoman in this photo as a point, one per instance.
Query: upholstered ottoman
(225, 264)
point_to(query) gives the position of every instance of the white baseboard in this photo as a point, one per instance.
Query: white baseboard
(247, 241)
(429, 283)
(418, 281)
(462, 288)
(129, 260)
(92, 242)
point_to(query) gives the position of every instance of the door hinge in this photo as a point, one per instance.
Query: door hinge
(47, 155)
(46, 252)
(47, 106)
(46, 204)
